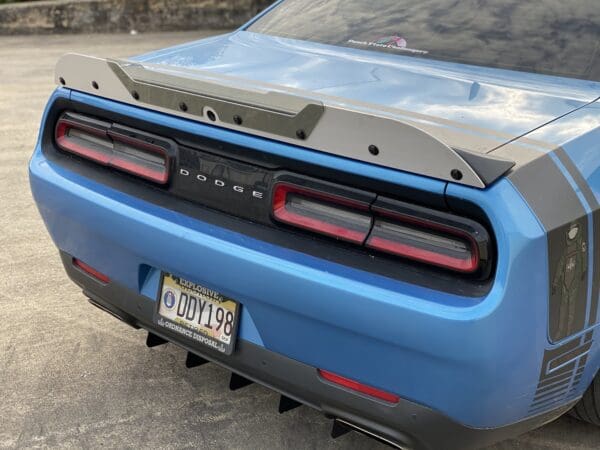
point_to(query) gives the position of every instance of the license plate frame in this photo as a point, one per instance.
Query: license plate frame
(168, 309)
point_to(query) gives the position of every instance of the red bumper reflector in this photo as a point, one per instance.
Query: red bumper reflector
(322, 213)
(358, 387)
(90, 271)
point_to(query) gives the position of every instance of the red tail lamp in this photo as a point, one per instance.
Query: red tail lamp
(97, 141)
(322, 213)
(424, 244)
(389, 226)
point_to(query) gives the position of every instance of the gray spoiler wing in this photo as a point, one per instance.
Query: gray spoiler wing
(282, 114)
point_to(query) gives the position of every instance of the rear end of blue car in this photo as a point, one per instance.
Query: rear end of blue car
(420, 310)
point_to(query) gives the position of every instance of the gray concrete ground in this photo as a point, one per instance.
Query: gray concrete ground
(70, 375)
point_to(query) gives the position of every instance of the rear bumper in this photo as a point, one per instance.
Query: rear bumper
(406, 425)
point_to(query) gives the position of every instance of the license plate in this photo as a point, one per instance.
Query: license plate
(200, 314)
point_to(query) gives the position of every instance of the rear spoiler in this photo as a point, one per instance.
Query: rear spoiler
(282, 114)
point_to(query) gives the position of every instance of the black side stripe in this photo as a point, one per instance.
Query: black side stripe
(595, 207)
(559, 209)
(561, 212)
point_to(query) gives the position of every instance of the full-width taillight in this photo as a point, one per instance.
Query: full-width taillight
(104, 144)
(359, 387)
(321, 212)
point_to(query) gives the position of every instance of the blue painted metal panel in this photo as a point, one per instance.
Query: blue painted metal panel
(502, 103)
(572, 128)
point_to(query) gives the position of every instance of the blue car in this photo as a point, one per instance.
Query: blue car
(387, 212)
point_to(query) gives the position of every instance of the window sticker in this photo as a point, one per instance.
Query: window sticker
(394, 42)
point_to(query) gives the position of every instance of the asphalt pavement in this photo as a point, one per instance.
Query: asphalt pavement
(71, 376)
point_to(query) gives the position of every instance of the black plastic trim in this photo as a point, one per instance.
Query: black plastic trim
(488, 167)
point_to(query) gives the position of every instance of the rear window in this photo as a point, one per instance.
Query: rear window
(554, 37)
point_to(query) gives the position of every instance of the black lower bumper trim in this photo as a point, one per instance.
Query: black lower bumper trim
(406, 425)
(238, 382)
(287, 404)
(152, 340)
(192, 360)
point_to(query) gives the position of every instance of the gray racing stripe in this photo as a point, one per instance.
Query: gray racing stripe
(552, 198)
(595, 207)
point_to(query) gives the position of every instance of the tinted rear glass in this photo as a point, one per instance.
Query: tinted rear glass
(555, 37)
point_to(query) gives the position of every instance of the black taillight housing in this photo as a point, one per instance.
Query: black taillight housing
(135, 152)
(384, 225)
